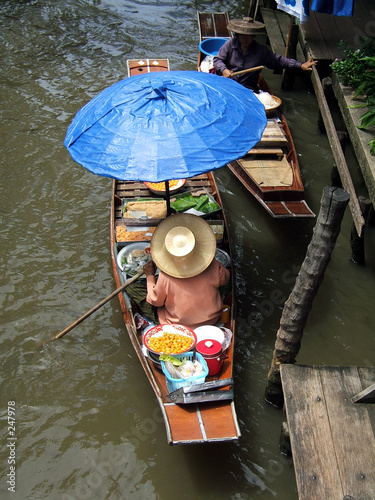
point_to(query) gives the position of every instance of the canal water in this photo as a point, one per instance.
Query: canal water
(86, 421)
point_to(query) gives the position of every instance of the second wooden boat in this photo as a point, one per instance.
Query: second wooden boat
(270, 171)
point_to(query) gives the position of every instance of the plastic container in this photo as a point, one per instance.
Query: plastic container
(162, 192)
(225, 314)
(217, 227)
(211, 350)
(200, 214)
(211, 46)
(176, 383)
(222, 257)
(209, 332)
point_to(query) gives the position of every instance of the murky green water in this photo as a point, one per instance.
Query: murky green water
(87, 423)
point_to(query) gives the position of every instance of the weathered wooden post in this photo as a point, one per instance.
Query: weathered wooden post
(298, 305)
(291, 52)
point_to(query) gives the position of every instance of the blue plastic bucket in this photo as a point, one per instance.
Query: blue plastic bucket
(211, 46)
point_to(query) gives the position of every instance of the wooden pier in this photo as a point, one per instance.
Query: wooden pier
(332, 437)
(319, 37)
(330, 409)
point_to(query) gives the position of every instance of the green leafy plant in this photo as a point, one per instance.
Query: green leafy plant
(357, 69)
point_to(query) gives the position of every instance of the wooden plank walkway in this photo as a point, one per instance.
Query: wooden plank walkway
(277, 26)
(319, 37)
(321, 33)
(332, 438)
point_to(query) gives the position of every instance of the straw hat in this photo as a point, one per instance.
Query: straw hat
(246, 26)
(183, 245)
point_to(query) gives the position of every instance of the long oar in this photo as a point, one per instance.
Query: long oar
(244, 71)
(95, 308)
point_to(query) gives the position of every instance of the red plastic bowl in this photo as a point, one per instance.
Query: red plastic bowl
(162, 192)
(159, 330)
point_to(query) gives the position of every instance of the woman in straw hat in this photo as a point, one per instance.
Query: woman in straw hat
(186, 292)
(243, 52)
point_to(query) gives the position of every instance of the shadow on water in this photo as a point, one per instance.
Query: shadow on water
(88, 425)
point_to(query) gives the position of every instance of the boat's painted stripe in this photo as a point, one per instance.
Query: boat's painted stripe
(235, 419)
(201, 423)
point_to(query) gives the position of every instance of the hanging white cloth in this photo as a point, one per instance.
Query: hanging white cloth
(297, 8)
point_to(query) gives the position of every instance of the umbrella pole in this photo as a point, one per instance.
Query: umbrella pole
(168, 197)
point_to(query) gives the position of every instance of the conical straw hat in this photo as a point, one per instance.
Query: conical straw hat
(183, 245)
(246, 26)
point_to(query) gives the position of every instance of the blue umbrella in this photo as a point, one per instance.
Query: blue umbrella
(165, 125)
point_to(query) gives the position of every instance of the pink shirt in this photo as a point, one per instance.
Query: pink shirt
(189, 301)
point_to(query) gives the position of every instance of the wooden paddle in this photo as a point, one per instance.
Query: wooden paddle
(237, 73)
(95, 308)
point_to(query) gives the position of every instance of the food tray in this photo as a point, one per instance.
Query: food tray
(200, 214)
(126, 234)
(176, 383)
(140, 218)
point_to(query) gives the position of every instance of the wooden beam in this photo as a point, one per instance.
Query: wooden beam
(337, 152)
(365, 396)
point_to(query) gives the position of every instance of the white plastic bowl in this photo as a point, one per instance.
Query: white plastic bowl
(209, 332)
(128, 249)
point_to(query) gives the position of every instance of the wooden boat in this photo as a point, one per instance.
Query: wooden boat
(270, 170)
(201, 422)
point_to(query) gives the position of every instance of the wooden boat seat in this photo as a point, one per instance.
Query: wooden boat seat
(269, 172)
(212, 24)
(267, 151)
(140, 66)
(272, 136)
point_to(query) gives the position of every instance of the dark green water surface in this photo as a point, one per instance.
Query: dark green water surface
(87, 423)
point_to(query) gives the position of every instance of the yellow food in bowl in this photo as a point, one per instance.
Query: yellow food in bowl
(170, 343)
(160, 186)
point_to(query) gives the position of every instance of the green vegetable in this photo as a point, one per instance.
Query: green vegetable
(171, 359)
(183, 204)
(210, 207)
(200, 203)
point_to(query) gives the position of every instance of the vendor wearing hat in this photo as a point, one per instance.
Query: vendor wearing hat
(242, 52)
(186, 291)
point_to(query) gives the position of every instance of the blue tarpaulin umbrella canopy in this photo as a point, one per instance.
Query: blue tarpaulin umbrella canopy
(165, 125)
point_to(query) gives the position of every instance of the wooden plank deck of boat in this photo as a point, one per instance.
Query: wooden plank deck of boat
(262, 170)
(199, 423)
(141, 66)
(212, 24)
(185, 424)
(332, 438)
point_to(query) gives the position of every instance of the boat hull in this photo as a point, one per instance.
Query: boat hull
(270, 171)
(184, 423)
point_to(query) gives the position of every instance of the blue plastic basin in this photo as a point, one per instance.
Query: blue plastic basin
(211, 46)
